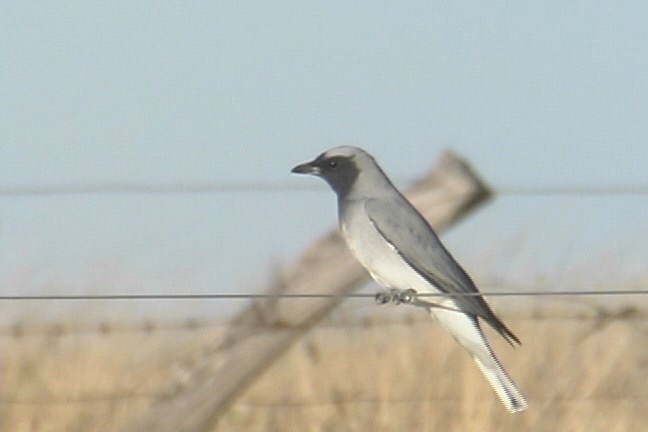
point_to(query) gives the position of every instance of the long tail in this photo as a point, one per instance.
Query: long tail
(466, 330)
(503, 385)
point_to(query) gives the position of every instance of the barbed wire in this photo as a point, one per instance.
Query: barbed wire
(61, 328)
(266, 187)
(249, 296)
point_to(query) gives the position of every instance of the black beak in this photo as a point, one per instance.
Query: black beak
(306, 168)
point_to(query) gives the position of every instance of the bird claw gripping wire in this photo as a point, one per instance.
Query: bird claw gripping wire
(396, 296)
(406, 296)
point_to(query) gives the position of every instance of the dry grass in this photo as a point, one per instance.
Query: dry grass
(578, 377)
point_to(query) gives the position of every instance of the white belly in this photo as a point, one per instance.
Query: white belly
(379, 258)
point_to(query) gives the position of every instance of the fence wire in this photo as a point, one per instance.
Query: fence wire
(106, 328)
(251, 296)
(281, 187)
(125, 397)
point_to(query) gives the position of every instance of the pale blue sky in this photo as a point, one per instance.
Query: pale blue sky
(546, 94)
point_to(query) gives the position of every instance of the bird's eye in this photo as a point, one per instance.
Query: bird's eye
(332, 164)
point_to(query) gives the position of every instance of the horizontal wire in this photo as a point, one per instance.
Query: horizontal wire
(128, 396)
(574, 190)
(89, 398)
(144, 188)
(454, 399)
(264, 187)
(245, 296)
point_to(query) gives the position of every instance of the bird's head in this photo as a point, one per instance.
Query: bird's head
(341, 167)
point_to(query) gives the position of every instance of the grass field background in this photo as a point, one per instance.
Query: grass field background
(582, 369)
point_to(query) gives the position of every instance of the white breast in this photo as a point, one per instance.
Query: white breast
(378, 256)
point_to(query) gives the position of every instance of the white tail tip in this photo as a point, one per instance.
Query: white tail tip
(504, 386)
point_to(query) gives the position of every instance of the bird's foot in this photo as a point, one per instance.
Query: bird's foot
(387, 295)
(406, 296)
(395, 296)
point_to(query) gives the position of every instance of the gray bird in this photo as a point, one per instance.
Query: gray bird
(402, 252)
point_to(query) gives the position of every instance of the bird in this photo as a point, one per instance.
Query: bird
(402, 252)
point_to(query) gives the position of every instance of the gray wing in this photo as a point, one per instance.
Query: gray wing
(411, 235)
